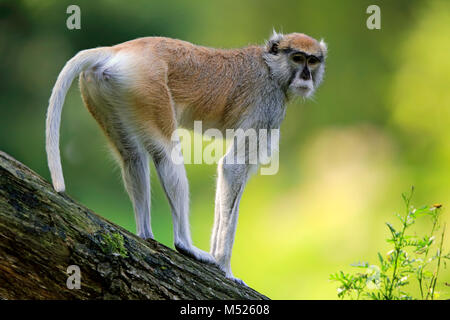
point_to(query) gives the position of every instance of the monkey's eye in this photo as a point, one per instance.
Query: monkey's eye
(298, 58)
(313, 60)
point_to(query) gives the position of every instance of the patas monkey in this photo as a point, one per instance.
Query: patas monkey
(140, 91)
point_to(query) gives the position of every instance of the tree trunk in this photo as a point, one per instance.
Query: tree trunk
(42, 233)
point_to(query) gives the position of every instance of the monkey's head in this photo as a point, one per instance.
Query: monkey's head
(296, 61)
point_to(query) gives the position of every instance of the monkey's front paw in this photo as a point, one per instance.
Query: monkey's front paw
(195, 253)
(237, 280)
(229, 275)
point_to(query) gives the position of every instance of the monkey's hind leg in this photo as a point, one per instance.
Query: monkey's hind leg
(131, 156)
(136, 177)
(175, 184)
(157, 119)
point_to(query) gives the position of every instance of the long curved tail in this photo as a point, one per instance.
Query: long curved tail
(80, 62)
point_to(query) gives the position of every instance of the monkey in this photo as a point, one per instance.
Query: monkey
(142, 90)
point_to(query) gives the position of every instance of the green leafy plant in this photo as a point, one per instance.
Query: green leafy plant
(412, 258)
(113, 243)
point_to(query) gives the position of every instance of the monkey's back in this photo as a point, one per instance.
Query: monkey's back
(205, 83)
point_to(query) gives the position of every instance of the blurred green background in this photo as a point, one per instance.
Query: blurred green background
(379, 124)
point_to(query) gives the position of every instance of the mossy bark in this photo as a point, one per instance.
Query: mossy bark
(42, 233)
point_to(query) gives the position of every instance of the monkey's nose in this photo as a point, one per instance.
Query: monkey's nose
(306, 74)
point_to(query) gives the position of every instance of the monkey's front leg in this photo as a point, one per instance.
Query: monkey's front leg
(230, 185)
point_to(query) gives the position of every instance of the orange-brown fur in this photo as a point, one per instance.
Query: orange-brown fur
(301, 42)
(176, 79)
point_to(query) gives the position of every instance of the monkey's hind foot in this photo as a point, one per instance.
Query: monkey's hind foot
(195, 253)
(146, 235)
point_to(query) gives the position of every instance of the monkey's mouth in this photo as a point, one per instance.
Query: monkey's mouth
(302, 90)
(301, 87)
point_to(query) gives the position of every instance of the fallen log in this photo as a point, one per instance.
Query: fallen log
(52, 247)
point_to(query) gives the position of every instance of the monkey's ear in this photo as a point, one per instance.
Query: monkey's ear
(323, 47)
(273, 43)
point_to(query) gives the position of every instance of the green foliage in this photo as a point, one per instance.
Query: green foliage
(113, 243)
(412, 258)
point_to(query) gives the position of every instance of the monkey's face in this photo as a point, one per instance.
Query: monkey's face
(304, 72)
(297, 62)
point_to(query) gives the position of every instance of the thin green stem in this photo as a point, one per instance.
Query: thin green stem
(420, 277)
(434, 280)
(420, 283)
(399, 244)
